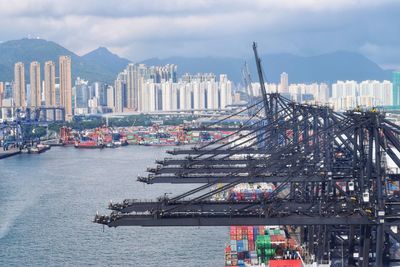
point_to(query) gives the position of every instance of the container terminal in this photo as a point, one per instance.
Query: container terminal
(14, 137)
(334, 194)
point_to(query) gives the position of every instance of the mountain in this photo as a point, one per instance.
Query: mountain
(328, 68)
(102, 65)
(98, 65)
(103, 57)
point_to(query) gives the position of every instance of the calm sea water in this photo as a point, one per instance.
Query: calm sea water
(47, 202)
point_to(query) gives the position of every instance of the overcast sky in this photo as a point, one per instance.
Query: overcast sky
(139, 29)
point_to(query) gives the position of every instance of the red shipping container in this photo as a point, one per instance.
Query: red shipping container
(285, 263)
(233, 230)
(244, 229)
(250, 229)
(251, 245)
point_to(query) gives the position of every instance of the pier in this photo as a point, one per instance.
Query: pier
(8, 153)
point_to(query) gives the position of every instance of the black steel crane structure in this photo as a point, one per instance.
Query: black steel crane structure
(330, 172)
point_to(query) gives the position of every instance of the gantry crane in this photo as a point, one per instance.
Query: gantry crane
(328, 167)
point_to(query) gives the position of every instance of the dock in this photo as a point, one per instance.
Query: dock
(9, 153)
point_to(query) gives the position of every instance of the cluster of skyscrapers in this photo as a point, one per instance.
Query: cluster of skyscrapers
(148, 89)
(341, 95)
(39, 93)
(140, 88)
(90, 98)
(350, 94)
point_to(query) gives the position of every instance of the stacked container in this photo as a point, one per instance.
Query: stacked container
(253, 245)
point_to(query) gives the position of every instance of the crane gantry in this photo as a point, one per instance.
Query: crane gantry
(329, 170)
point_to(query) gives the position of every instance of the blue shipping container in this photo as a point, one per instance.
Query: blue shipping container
(240, 246)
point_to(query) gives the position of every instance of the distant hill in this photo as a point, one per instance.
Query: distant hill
(328, 68)
(102, 65)
(109, 61)
(98, 65)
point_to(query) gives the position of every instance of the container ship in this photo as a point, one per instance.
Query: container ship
(262, 246)
(259, 245)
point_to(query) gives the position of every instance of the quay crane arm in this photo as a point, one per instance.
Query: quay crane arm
(261, 78)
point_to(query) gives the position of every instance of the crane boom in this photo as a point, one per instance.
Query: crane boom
(261, 78)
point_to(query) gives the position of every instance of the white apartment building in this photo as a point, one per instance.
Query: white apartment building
(350, 94)
(199, 92)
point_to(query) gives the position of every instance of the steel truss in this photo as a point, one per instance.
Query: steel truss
(15, 130)
(330, 174)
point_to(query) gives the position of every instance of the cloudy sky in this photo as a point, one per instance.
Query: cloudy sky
(139, 29)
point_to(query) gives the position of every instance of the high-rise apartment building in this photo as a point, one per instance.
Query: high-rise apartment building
(66, 85)
(349, 94)
(167, 95)
(225, 91)
(100, 90)
(50, 84)
(185, 92)
(131, 87)
(212, 95)
(147, 89)
(35, 84)
(119, 91)
(110, 97)
(137, 78)
(284, 85)
(396, 88)
(151, 97)
(19, 85)
(82, 94)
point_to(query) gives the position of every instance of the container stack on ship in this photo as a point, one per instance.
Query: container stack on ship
(262, 246)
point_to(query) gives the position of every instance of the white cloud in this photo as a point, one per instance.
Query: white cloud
(139, 29)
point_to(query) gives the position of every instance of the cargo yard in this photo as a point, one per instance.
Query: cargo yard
(138, 135)
(113, 137)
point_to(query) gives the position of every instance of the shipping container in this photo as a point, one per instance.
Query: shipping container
(285, 263)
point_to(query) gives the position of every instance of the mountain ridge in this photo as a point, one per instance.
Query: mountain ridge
(103, 65)
(329, 67)
(87, 67)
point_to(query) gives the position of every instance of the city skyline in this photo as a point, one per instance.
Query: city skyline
(210, 28)
(157, 88)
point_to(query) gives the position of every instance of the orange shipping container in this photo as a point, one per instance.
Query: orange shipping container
(261, 230)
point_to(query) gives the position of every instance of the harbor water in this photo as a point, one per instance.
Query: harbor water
(47, 202)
